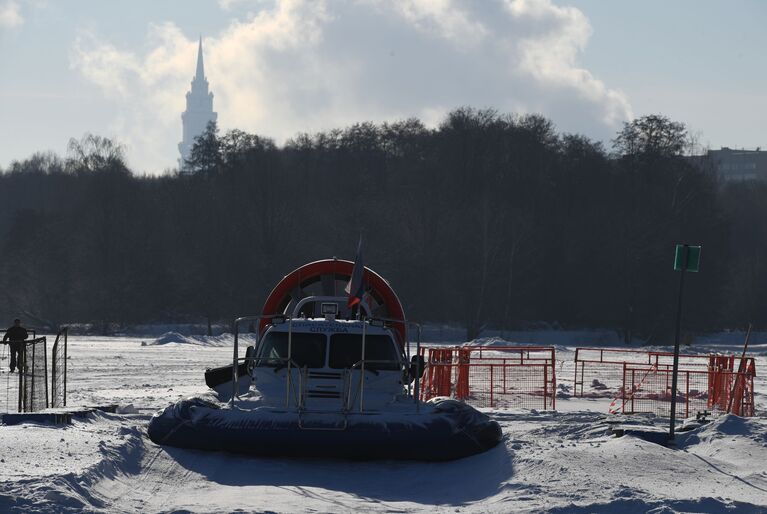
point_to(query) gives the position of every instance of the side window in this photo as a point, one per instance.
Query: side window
(307, 350)
(346, 351)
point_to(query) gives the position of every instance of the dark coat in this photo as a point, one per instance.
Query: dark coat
(15, 334)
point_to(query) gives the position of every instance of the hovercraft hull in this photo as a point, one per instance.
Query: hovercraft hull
(447, 430)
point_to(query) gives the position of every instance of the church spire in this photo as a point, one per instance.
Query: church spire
(200, 75)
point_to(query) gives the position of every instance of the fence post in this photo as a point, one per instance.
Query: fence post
(20, 356)
(575, 376)
(491, 387)
(66, 366)
(504, 376)
(54, 403)
(553, 380)
(32, 388)
(623, 391)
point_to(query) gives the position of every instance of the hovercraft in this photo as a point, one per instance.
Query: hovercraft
(326, 380)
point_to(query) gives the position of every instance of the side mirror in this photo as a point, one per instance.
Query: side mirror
(250, 356)
(417, 366)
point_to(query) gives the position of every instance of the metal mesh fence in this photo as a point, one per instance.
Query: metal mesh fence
(525, 386)
(26, 390)
(497, 377)
(9, 400)
(597, 379)
(59, 370)
(647, 389)
(654, 393)
(599, 371)
(34, 376)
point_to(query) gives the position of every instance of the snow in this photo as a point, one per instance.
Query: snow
(562, 461)
(176, 338)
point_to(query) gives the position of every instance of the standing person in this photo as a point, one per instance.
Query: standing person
(16, 335)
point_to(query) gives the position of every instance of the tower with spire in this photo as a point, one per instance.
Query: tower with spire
(199, 110)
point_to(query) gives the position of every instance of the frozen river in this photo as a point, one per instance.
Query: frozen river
(556, 461)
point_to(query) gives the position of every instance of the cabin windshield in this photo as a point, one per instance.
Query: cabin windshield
(346, 351)
(307, 350)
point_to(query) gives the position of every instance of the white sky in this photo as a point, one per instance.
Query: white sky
(279, 67)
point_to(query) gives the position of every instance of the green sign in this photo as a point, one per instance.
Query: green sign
(693, 258)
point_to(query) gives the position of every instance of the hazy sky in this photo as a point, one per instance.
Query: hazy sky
(279, 67)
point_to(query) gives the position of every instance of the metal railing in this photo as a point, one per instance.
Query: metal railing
(361, 384)
(33, 369)
(236, 358)
(298, 399)
(59, 369)
(648, 389)
(603, 367)
(492, 376)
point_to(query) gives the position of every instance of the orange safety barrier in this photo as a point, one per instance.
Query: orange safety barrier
(437, 377)
(492, 376)
(741, 400)
(718, 381)
(647, 389)
(599, 371)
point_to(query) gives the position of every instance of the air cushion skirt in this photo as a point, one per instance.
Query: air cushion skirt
(443, 430)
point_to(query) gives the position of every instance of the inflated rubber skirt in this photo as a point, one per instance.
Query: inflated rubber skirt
(443, 430)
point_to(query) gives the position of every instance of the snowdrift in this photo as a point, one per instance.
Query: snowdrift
(170, 338)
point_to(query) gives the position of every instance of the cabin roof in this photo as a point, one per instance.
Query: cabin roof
(330, 327)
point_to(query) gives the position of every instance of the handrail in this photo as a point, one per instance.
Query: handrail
(302, 381)
(362, 375)
(360, 364)
(235, 360)
(334, 299)
(289, 376)
(415, 393)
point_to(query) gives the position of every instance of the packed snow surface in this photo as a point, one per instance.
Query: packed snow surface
(553, 461)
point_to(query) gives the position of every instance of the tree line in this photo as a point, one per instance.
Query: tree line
(489, 220)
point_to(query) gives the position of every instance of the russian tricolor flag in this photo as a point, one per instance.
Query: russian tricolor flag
(355, 288)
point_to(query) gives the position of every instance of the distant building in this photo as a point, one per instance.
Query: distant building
(739, 164)
(199, 110)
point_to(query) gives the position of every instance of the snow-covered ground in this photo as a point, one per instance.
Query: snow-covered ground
(563, 461)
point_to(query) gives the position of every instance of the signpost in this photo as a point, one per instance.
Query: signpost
(686, 259)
